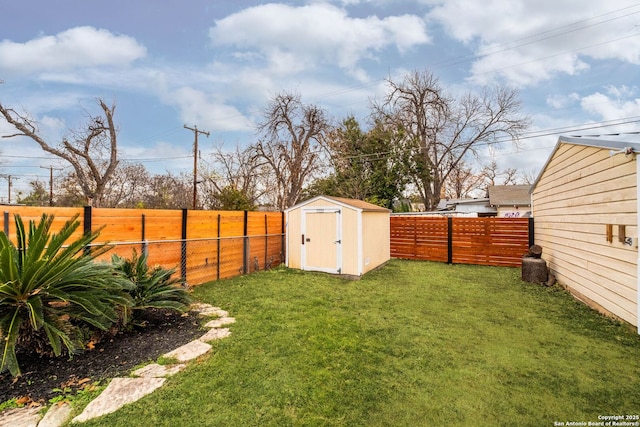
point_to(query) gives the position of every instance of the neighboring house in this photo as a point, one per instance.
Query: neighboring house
(511, 201)
(585, 205)
(479, 207)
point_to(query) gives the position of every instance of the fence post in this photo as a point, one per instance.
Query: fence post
(86, 225)
(283, 236)
(532, 236)
(218, 263)
(183, 246)
(449, 240)
(245, 244)
(87, 220)
(266, 241)
(6, 223)
(143, 237)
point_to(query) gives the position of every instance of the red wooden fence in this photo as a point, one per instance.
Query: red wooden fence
(461, 240)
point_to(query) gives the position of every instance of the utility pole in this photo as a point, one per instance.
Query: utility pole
(195, 131)
(51, 168)
(8, 178)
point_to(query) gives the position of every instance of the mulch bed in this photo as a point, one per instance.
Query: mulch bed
(114, 356)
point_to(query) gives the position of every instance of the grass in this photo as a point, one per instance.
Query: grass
(412, 344)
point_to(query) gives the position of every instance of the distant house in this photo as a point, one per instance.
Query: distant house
(478, 207)
(585, 205)
(511, 201)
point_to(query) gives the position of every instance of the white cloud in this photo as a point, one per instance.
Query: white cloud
(71, 49)
(616, 103)
(208, 112)
(528, 41)
(558, 102)
(292, 39)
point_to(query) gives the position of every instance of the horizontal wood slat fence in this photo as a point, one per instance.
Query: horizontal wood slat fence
(461, 240)
(201, 245)
(210, 245)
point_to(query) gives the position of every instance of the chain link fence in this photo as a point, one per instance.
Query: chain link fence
(197, 261)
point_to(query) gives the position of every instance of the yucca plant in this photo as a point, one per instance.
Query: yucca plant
(52, 288)
(152, 287)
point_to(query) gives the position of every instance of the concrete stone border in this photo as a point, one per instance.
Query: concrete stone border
(122, 391)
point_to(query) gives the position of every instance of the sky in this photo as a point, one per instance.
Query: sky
(215, 64)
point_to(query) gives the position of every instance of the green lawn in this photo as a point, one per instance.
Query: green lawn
(412, 344)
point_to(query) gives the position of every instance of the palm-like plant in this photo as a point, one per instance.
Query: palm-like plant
(47, 286)
(152, 287)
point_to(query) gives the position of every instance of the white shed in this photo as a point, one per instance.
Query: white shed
(585, 209)
(337, 235)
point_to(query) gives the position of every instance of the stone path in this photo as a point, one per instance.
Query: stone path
(121, 391)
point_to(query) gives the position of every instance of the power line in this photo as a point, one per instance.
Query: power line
(503, 47)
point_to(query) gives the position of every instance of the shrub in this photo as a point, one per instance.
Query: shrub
(151, 287)
(50, 292)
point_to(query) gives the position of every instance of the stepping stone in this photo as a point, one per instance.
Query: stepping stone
(155, 370)
(215, 334)
(118, 393)
(188, 351)
(207, 310)
(221, 313)
(199, 306)
(21, 417)
(218, 323)
(57, 415)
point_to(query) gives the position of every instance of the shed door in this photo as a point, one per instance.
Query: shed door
(321, 240)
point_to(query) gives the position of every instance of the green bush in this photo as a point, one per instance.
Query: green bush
(151, 287)
(51, 291)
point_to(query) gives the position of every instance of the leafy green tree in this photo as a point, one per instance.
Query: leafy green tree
(368, 165)
(232, 199)
(38, 196)
(50, 288)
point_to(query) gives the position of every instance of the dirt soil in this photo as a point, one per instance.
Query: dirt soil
(112, 357)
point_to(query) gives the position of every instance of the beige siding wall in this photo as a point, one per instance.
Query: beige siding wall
(376, 240)
(349, 241)
(293, 236)
(365, 244)
(582, 190)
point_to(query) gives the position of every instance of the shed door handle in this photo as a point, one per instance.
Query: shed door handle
(303, 239)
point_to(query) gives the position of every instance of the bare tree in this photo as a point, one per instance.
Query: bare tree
(68, 191)
(291, 138)
(529, 176)
(236, 170)
(442, 131)
(463, 182)
(127, 186)
(92, 151)
(491, 175)
(169, 192)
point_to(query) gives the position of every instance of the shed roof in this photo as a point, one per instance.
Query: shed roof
(354, 203)
(608, 142)
(509, 195)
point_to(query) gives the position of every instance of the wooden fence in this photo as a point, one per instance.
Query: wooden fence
(201, 245)
(212, 245)
(461, 240)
